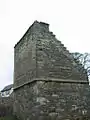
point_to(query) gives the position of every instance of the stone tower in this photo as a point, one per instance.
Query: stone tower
(47, 82)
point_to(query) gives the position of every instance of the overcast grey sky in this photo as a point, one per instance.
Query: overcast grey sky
(69, 20)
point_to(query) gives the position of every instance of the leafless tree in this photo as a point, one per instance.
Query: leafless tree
(84, 60)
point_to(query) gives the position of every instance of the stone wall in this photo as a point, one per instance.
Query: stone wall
(6, 105)
(54, 61)
(40, 55)
(51, 101)
(47, 81)
(25, 60)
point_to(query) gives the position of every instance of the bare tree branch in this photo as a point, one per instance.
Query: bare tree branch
(84, 60)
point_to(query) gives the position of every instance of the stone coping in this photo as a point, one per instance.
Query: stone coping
(54, 80)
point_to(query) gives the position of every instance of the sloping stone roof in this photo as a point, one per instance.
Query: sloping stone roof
(6, 88)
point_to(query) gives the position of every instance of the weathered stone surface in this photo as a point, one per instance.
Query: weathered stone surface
(6, 105)
(40, 54)
(47, 82)
(53, 100)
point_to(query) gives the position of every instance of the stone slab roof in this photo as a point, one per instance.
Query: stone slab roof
(6, 88)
